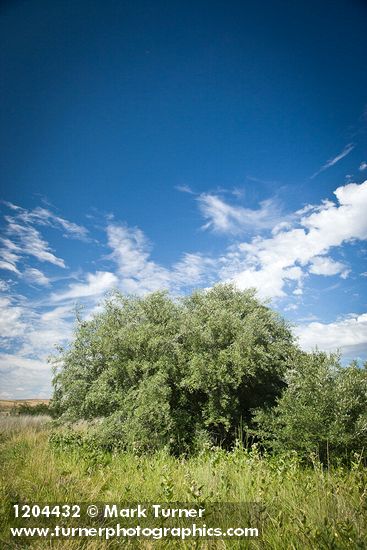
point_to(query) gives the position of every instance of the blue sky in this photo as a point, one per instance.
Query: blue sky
(149, 145)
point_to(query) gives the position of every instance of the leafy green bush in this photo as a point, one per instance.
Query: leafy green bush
(32, 410)
(173, 374)
(323, 410)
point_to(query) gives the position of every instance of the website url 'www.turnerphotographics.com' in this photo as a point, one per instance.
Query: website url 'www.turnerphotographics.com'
(145, 527)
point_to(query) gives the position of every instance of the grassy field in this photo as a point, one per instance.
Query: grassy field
(304, 508)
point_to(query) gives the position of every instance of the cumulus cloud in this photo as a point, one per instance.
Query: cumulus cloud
(322, 265)
(268, 263)
(275, 265)
(348, 335)
(363, 166)
(225, 218)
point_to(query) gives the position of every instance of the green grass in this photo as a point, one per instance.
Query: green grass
(304, 508)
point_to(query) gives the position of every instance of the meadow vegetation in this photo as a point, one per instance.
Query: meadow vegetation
(303, 507)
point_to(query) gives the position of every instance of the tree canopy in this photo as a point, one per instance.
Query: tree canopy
(162, 372)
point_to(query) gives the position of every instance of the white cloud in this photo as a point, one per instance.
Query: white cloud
(96, 284)
(191, 270)
(8, 359)
(348, 335)
(33, 275)
(139, 274)
(347, 149)
(4, 285)
(12, 324)
(23, 239)
(29, 242)
(130, 250)
(47, 331)
(43, 216)
(28, 330)
(31, 331)
(56, 314)
(72, 229)
(363, 166)
(225, 218)
(185, 189)
(9, 255)
(23, 377)
(29, 336)
(322, 265)
(266, 263)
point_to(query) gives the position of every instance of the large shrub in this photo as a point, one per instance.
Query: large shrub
(322, 411)
(171, 373)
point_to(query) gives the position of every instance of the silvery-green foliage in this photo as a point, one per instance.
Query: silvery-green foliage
(160, 371)
(323, 410)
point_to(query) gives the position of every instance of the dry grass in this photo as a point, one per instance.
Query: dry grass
(10, 425)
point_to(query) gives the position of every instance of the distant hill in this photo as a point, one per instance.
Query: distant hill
(8, 404)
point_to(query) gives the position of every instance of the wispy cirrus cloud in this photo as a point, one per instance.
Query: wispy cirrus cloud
(347, 149)
(138, 273)
(25, 240)
(12, 322)
(35, 276)
(233, 219)
(94, 286)
(44, 216)
(28, 337)
(9, 255)
(22, 238)
(185, 189)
